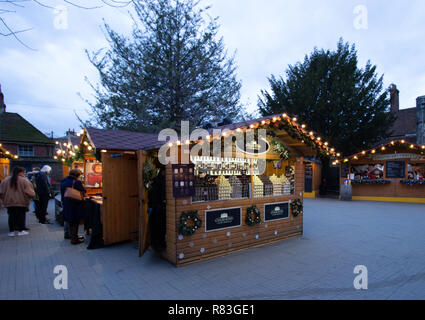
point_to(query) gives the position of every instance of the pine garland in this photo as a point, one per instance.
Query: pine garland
(412, 182)
(253, 216)
(281, 150)
(371, 181)
(296, 207)
(186, 229)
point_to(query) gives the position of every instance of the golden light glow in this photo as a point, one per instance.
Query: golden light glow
(252, 126)
(383, 148)
(303, 126)
(373, 151)
(85, 143)
(332, 150)
(103, 151)
(16, 157)
(412, 146)
(63, 160)
(402, 141)
(55, 157)
(294, 119)
(284, 115)
(187, 141)
(318, 139)
(76, 147)
(326, 143)
(7, 152)
(311, 133)
(57, 142)
(274, 119)
(338, 154)
(178, 142)
(423, 147)
(170, 144)
(208, 137)
(90, 148)
(237, 130)
(263, 122)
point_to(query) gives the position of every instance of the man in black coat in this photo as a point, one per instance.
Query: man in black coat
(43, 193)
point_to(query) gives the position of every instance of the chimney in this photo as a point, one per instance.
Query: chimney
(420, 120)
(2, 105)
(394, 98)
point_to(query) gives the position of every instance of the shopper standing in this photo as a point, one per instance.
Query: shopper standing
(16, 192)
(73, 210)
(43, 193)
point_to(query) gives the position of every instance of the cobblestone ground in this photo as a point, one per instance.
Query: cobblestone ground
(387, 238)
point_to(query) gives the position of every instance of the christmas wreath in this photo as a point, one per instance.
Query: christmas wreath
(253, 216)
(297, 207)
(189, 223)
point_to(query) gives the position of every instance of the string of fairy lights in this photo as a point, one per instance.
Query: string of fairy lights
(67, 152)
(383, 148)
(7, 154)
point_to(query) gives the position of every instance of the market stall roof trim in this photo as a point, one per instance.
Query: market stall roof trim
(6, 153)
(286, 126)
(396, 144)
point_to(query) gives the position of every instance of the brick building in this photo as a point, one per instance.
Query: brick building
(23, 139)
(410, 123)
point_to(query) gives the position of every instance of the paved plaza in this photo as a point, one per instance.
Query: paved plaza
(387, 238)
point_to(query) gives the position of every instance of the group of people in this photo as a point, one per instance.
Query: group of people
(17, 191)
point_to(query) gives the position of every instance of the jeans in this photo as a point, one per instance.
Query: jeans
(16, 218)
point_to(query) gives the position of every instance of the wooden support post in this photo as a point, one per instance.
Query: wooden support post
(143, 206)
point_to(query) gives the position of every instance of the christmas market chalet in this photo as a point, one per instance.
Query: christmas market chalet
(211, 206)
(393, 172)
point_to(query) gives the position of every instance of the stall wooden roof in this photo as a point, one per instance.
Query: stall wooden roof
(121, 140)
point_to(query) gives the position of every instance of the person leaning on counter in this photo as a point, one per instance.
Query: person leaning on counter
(73, 210)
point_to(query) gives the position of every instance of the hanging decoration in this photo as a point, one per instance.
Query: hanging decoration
(280, 149)
(296, 207)
(149, 173)
(189, 223)
(253, 216)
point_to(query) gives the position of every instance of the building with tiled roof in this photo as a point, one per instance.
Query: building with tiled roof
(20, 137)
(409, 124)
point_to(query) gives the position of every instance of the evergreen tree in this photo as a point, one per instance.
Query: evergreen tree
(345, 104)
(173, 68)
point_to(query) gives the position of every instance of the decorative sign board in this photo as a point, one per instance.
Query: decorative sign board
(223, 219)
(276, 211)
(396, 169)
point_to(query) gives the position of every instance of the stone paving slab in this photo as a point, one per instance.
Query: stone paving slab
(387, 238)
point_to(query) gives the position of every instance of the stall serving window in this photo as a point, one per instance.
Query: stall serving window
(218, 179)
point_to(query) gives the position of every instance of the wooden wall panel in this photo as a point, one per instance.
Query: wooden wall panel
(121, 194)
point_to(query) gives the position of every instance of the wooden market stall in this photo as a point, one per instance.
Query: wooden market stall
(213, 204)
(111, 167)
(393, 172)
(216, 205)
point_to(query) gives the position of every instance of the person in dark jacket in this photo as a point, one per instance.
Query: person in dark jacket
(43, 193)
(73, 210)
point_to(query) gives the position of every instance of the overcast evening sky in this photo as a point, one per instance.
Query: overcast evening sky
(43, 85)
